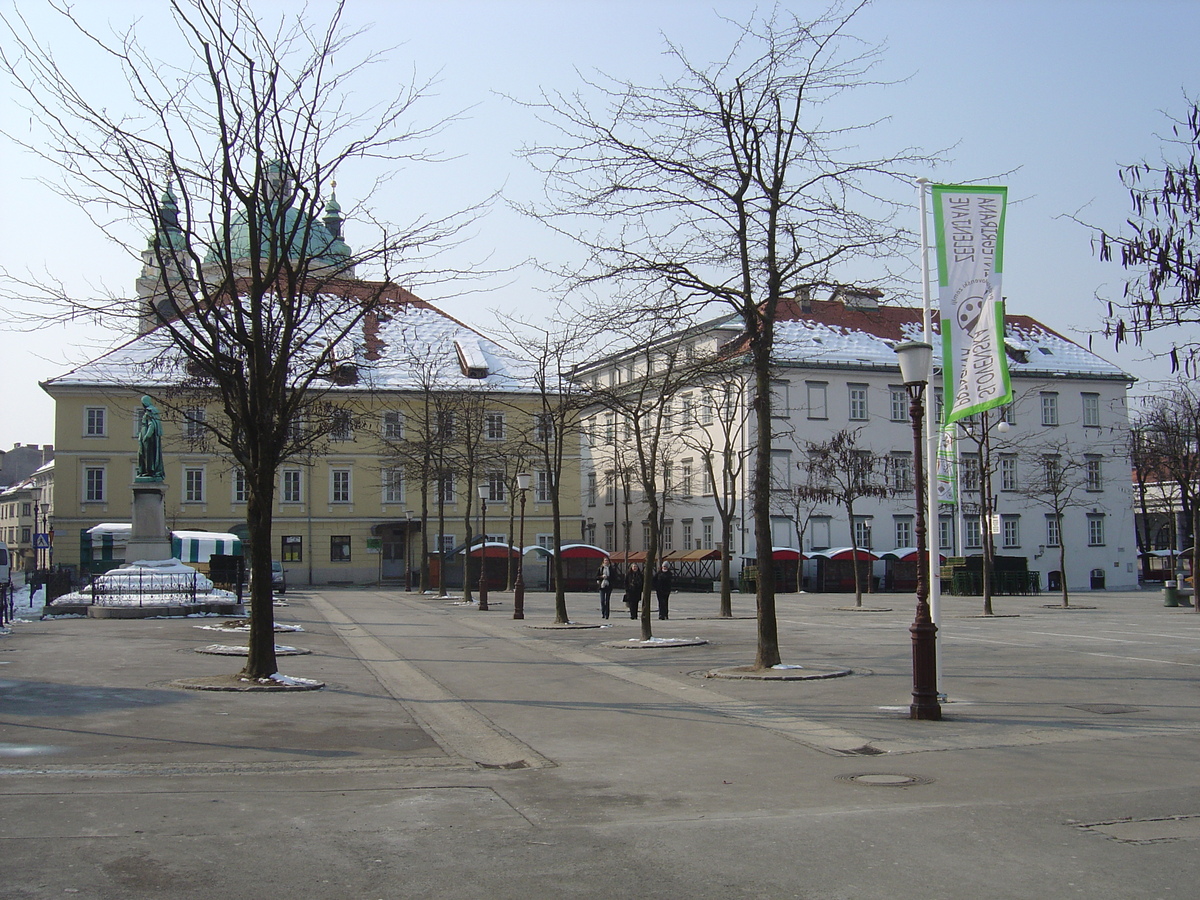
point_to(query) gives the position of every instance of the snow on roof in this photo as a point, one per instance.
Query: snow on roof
(406, 345)
(111, 528)
(826, 332)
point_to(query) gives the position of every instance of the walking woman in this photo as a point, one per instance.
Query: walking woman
(633, 589)
(604, 579)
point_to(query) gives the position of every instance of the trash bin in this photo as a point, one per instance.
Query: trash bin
(1170, 594)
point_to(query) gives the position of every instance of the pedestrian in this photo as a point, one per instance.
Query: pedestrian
(633, 589)
(604, 579)
(662, 587)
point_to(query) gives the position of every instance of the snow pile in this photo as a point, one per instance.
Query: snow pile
(163, 582)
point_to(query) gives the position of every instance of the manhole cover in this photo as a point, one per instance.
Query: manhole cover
(884, 779)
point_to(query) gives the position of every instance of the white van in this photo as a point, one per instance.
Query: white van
(5, 560)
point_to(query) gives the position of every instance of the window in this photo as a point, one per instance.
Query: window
(685, 479)
(899, 408)
(968, 472)
(493, 426)
(93, 484)
(900, 469)
(817, 401)
(393, 485)
(1008, 473)
(26, 510)
(95, 421)
(541, 492)
(706, 529)
(610, 489)
(444, 428)
(291, 486)
(591, 489)
(862, 532)
(939, 405)
(687, 534)
(706, 408)
(780, 399)
(1053, 530)
(1095, 529)
(240, 491)
(1091, 410)
(645, 535)
(610, 429)
(608, 535)
(543, 428)
(26, 534)
(945, 533)
(687, 413)
(393, 426)
(546, 541)
(339, 548)
(668, 535)
(193, 423)
(1092, 473)
(343, 425)
(904, 531)
(497, 489)
(446, 489)
(858, 402)
(291, 548)
(1049, 408)
(193, 485)
(972, 534)
(781, 470)
(1051, 472)
(339, 485)
(444, 543)
(1010, 531)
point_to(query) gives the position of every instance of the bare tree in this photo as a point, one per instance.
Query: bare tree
(1063, 476)
(1159, 246)
(727, 184)
(230, 148)
(1172, 424)
(555, 430)
(840, 471)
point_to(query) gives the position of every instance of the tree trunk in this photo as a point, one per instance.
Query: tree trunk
(767, 654)
(260, 658)
(726, 580)
(1062, 566)
(854, 555)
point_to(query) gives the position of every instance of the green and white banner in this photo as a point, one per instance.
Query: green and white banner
(969, 225)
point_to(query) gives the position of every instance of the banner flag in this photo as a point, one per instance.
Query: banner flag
(969, 225)
(947, 470)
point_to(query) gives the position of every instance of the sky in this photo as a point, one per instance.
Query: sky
(1049, 98)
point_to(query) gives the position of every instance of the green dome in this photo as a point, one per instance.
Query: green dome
(297, 239)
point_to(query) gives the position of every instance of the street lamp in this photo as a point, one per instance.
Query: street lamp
(483, 499)
(916, 360)
(408, 550)
(523, 481)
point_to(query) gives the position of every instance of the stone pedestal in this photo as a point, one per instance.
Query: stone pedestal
(149, 539)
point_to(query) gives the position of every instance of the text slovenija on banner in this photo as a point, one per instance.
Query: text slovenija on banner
(969, 225)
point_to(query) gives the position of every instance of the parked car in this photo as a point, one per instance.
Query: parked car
(278, 577)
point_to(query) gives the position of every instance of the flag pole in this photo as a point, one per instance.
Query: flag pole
(932, 447)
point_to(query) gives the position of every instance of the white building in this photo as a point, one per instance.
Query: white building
(835, 369)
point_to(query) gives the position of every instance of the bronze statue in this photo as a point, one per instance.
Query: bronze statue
(150, 461)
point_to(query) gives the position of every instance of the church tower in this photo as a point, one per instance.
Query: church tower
(165, 279)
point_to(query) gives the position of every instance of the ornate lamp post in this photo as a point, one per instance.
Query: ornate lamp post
(523, 481)
(46, 528)
(408, 550)
(916, 359)
(483, 499)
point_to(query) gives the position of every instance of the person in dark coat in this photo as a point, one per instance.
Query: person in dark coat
(604, 580)
(633, 589)
(661, 580)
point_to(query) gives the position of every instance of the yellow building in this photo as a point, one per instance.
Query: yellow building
(340, 516)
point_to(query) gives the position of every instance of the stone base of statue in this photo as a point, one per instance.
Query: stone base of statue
(149, 538)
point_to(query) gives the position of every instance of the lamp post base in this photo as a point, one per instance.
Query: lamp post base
(924, 694)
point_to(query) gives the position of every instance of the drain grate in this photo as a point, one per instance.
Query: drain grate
(1105, 709)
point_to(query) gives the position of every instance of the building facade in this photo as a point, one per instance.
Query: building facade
(835, 370)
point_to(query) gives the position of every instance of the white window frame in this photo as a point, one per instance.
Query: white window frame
(95, 484)
(1095, 522)
(494, 426)
(541, 488)
(193, 484)
(1053, 530)
(392, 425)
(899, 403)
(857, 393)
(1093, 472)
(1010, 532)
(903, 526)
(1049, 400)
(1008, 473)
(95, 421)
(291, 486)
(241, 492)
(393, 484)
(340, 490)
(1091, 409)
(972, 533)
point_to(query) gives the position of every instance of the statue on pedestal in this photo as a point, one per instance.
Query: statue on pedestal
(150, 460)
